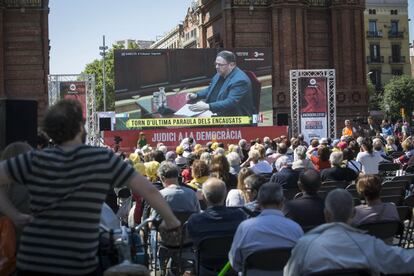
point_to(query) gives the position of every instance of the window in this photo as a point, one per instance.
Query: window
(394, 26)
(372, 26)
(396, 53)
(396, 50)
(372, 11)
(376, 77)
(394, 12)
(374, 50)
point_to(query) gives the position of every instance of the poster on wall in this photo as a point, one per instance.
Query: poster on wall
(75, 90)
(313, 108)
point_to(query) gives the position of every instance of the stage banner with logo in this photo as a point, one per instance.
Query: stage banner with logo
(313, 107)
(74, 90)
(172, 137)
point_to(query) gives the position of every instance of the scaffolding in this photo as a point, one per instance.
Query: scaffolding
(54, 90)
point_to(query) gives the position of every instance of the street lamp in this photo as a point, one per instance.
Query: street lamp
(103, 48)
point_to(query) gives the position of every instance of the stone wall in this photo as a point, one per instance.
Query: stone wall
(24, 51)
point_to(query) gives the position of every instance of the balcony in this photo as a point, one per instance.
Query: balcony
(393, 34)
(371, 60)
(396, 59)
(374, 34)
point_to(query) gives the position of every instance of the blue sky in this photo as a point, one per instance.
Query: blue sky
(76, 26)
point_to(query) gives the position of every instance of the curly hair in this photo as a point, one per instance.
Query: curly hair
(63, 121)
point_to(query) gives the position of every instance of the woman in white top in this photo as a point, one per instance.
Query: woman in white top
(257, 164)
(369, 159)
(238, 197)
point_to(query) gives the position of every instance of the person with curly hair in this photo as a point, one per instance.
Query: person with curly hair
(67, 186)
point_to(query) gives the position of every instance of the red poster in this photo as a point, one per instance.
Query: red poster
(172, 137)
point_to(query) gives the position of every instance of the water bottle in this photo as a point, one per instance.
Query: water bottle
(155, 101)
(162, 97)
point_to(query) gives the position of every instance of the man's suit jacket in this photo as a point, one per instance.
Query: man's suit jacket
(307, 210)
(287, 178)
(235, 96)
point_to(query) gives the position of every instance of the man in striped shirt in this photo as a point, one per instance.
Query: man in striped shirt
(68, 185)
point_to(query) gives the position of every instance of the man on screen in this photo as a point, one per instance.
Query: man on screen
(230, 91)
(315, 100)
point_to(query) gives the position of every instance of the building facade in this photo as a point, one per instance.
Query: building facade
(191, 27)
(142, 44)
(24, 51)
(303, 34)
(386, 40)
(171, 40)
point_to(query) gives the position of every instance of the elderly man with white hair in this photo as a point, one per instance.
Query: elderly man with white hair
(336, 172)
(301, 163)
(337, 245)
(285, 175)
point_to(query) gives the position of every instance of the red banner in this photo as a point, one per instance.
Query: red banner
(172, 137)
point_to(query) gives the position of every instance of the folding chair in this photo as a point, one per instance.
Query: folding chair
(266, 176)
(342, 272)
(324, 190)
(298, 195)
(403, 184)
(212, 254)
(405, 214)
(396, 199)
(170, 247)
(290, 193)
(409, 202)
(388, 169)
(407, 177)
(384, 230)
(337, 184)
(273, 259)
(389, 191)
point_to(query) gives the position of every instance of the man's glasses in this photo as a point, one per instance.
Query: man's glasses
(220, 64)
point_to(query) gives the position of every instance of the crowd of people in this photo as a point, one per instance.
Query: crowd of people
(239, 191)
(256, 177)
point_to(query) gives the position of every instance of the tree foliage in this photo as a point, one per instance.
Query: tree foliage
(374, 96)
(399, 93)
(95, 68)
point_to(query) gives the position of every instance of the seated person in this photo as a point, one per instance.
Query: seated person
(216, 221)
(253, 183)
(271, 229)
(337, 245)
(308, 209)
(257, 164)
(181, 199)
(336, 172)
(375, 210)
(301, 162)
(285, 176)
